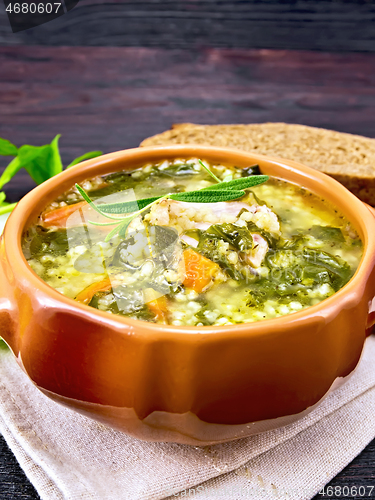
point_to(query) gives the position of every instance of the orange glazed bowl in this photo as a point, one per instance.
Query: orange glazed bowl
(187, 384)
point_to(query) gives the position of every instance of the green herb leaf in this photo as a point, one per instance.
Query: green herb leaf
(86, 197)
(6, 207)
(213, 196)
(13, 167)
(41, 162)
(199, 196)
(241, 183)
(209, 171)
(121, 228)
(239, 237)
(327, 233)
(86, 156)
(7, 148)
(127, 206)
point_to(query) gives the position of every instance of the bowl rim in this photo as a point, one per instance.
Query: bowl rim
(26, 211)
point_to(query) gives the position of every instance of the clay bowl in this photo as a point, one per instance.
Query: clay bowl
(175, 383)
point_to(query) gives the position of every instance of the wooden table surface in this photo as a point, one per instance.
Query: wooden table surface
(111, 98)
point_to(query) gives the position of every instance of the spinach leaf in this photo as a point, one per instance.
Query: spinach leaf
(41, 162)
(327, 233)
(178, 169)
(339, 269)
(239, 237)
(209, 246)
(48, 242)
(7, 148)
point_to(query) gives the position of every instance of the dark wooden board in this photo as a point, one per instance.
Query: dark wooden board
(112, 98)
(336, 25)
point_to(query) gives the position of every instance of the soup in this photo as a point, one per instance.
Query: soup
(147, 249)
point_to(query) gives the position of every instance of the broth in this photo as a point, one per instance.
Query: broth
(274, 251)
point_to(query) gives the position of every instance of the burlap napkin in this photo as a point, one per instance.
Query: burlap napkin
(67, 456)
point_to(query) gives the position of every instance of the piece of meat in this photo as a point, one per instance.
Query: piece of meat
(183, 215)
(256, 256)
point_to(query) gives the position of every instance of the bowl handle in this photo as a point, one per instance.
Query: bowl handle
(8, 304)
(371, 315)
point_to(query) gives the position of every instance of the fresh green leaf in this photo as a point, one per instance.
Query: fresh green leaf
(104, 223)
(41, 162)
(241, 183)
(121, 228)
(199, 196)
(44, 165)
(86, 197)
(86, 156)
(127, 206)
(202, 196)
(239, 237)
(327, 233)
(209, 171)
(6, 208)
(13, 167)
(7, 148)
(334, 265)
(212, 249)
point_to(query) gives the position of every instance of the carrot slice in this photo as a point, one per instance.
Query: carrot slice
(87, 293)
(59, 216)
(199, 271)
(159, 308)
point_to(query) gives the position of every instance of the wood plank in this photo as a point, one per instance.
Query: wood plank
(110, 98)
(335, 25)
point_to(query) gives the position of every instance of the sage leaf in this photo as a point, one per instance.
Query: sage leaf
(241, 183)
(213, 196)
(209, 171)
(127, 206)
(86, 197)
(121, 228)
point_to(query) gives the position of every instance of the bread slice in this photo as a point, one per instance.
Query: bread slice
(348, 158)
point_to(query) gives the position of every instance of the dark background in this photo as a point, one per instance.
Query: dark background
(335, 25)
(107, 75)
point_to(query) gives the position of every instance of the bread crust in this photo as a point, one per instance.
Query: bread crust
(348, 158)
